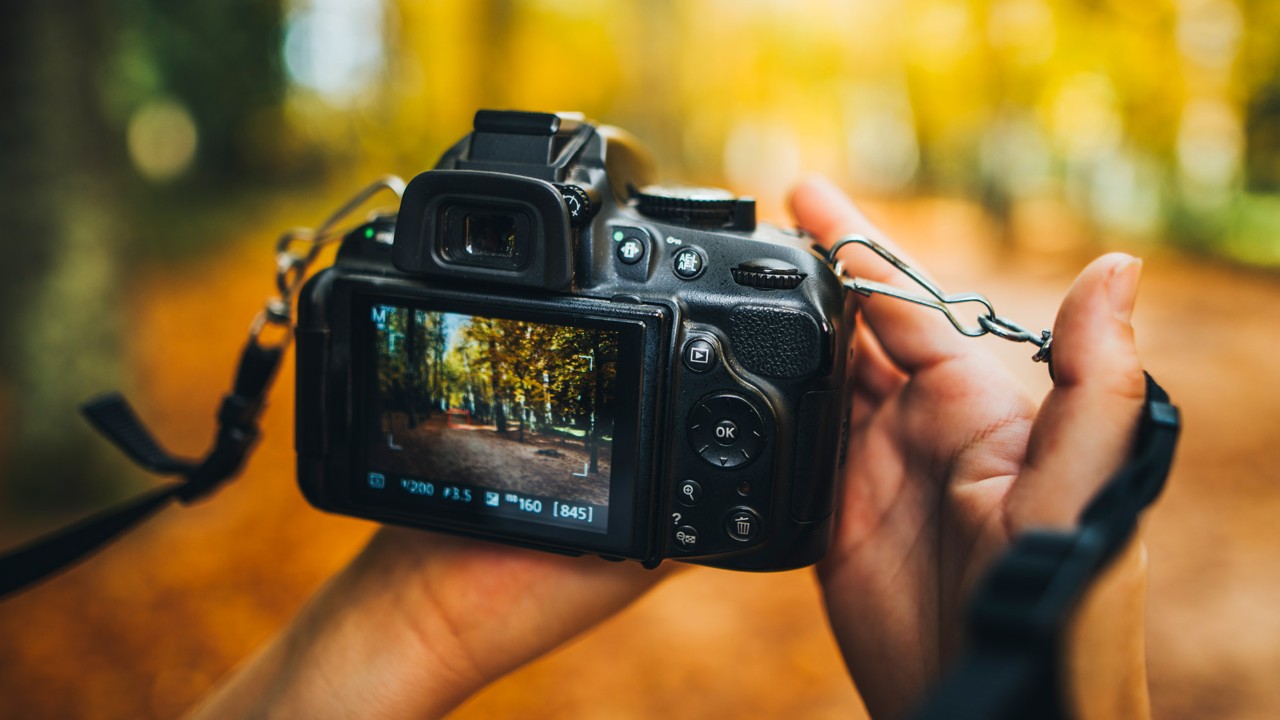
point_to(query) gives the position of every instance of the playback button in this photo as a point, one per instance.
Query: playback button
(699, 355)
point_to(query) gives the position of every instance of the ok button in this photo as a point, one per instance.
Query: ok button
(726, 432)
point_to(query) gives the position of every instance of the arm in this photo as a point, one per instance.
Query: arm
(418, 623)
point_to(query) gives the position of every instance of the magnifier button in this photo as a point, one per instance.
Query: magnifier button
(689, 492)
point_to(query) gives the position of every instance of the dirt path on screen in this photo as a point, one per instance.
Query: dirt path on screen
(478, 455)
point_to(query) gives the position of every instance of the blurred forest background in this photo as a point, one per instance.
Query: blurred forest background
(152, 151)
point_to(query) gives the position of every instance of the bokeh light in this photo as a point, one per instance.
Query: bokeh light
(335, 48)
(162, 139)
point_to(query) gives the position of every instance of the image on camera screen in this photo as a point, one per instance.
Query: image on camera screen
(506, 417)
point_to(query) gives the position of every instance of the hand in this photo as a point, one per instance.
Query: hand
(419, 622)
(948, 459)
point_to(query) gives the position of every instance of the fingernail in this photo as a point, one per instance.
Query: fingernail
(1122, 288)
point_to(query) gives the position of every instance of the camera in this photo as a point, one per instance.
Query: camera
(544, 348)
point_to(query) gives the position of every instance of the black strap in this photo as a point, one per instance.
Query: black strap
(1012, 666)
(112, 416)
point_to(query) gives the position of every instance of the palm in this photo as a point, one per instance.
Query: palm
(930, 462)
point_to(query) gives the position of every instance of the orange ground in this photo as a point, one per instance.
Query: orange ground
(148, 625)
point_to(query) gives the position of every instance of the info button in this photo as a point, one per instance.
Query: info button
(630, 251)
(629, 247)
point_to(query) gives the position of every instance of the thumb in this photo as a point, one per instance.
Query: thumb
(1085, 427)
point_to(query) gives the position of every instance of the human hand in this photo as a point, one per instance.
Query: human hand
(419, 622)
(948, 459)
(940, 474)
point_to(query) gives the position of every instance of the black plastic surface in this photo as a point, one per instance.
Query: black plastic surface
(819, 411)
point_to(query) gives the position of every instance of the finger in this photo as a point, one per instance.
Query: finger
(874, 374)
(873, 378)
(1086, 424)
(914, 338)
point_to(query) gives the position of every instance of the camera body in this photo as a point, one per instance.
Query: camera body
(544, 350)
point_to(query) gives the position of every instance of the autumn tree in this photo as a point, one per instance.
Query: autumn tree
(488, 335)
(554, 379)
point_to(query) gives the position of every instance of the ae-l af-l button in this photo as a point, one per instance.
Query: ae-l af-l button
(688, 263)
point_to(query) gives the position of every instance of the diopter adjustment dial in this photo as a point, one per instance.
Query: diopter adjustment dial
(767, 274)
(696, 206)
(578, 203)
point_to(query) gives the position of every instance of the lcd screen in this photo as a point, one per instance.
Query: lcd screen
(484, 417)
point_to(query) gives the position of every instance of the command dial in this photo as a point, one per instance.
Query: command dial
(706, 207)
(767, 274)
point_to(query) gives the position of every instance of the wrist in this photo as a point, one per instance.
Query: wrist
(419, 622)
(1105, 671)
(369, 644)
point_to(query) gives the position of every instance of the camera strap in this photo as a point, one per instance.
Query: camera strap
(237, 418)
(112, 416)
(988, 321)
(1011, 668)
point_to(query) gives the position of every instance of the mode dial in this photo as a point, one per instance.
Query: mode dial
(703, 207)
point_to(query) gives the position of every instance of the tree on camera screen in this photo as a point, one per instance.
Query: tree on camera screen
(506, 406)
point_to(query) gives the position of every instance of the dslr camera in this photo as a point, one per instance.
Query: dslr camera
(542, 348)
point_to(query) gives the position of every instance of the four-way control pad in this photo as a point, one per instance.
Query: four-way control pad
(726, 430)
